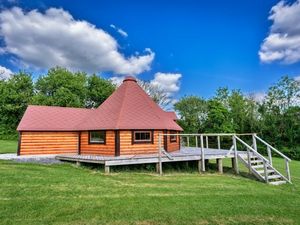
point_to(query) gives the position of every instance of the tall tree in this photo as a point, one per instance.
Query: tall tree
(192, 111)
(15, 94)
(98, 90)
(61, 87)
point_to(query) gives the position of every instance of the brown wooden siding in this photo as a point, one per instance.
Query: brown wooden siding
(98, 149)
(48, 143)
(173, 146)
(127, 148)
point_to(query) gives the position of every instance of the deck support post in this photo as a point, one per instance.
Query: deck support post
(236, 165)
(200, 166)
(157, 167)
(220, 165)
(78, 163)
(159, 155)
(106, 169)
(232, 163)
(202, 154)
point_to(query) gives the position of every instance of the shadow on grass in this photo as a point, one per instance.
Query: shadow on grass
(168, 168)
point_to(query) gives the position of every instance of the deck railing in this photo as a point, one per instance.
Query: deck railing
(202, 141)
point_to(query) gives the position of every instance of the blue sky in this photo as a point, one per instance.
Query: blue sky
(210, 43)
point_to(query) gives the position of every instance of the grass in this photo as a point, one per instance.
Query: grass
(66, 194)
(8, 146)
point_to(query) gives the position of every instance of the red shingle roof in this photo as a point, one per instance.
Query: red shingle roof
(129, 107)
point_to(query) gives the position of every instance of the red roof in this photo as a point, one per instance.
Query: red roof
(129, 107)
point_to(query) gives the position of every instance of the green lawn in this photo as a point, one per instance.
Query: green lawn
(8, 146)
(66, 194)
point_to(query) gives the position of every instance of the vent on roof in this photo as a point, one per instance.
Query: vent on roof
(129, 78)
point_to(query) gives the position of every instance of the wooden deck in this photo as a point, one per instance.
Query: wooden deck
(185, 154)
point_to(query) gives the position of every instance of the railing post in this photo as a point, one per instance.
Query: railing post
(159, 155)
(202, 154)
(219, 142)
(265, 171)
(254, 142)
(287, 169)
(206, 138)
(236, 165)
(196, 139)
(269, 155)
(188, 141)
(249, 160)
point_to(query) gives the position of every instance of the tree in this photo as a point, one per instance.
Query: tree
(282, 95)
(218, 118)
(98, 90)
(15, 94)
(156, 93)
(61, 87)
(192, 112)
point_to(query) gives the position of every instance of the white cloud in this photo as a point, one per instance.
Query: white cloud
(117, 80)
(5, 73)
(168, 82)
(283, 42)
(55, 38)
(297, 78)
(119, 30)
(258, 96)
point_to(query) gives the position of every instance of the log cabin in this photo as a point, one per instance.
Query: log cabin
(127, 123)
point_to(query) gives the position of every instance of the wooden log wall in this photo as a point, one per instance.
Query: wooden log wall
(98, 149)
(34, 143)
(127, 148)
(173, 146)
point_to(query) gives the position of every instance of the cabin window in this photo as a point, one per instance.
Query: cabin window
(142, 137)
(173, 138)
(97, 137)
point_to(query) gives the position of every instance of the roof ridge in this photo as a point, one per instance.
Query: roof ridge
(123, 97)
(60, 107)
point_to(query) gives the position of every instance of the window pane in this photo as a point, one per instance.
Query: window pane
(142, 136)
(97, 136)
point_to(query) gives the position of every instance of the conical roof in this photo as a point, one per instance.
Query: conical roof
(129, 107)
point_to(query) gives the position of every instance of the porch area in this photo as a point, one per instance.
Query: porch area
(243, 148)
(184, 154)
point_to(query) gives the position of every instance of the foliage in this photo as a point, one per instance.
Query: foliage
(192, 112)
(276, 119)
(15, 94)
(59, 87)
(98, 90)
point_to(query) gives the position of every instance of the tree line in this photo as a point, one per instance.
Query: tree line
(59, 87)
(276, 118)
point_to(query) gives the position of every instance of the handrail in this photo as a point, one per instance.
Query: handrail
(274, 149)
(266, 161)
(210, 134)
(252, 149)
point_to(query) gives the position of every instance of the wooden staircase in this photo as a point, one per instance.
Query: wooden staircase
(260, 166)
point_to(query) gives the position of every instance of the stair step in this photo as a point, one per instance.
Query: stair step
(245, 156)
(258, 166)
(256, 161)
(274, 177)
(277, 182)
(262, 171)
